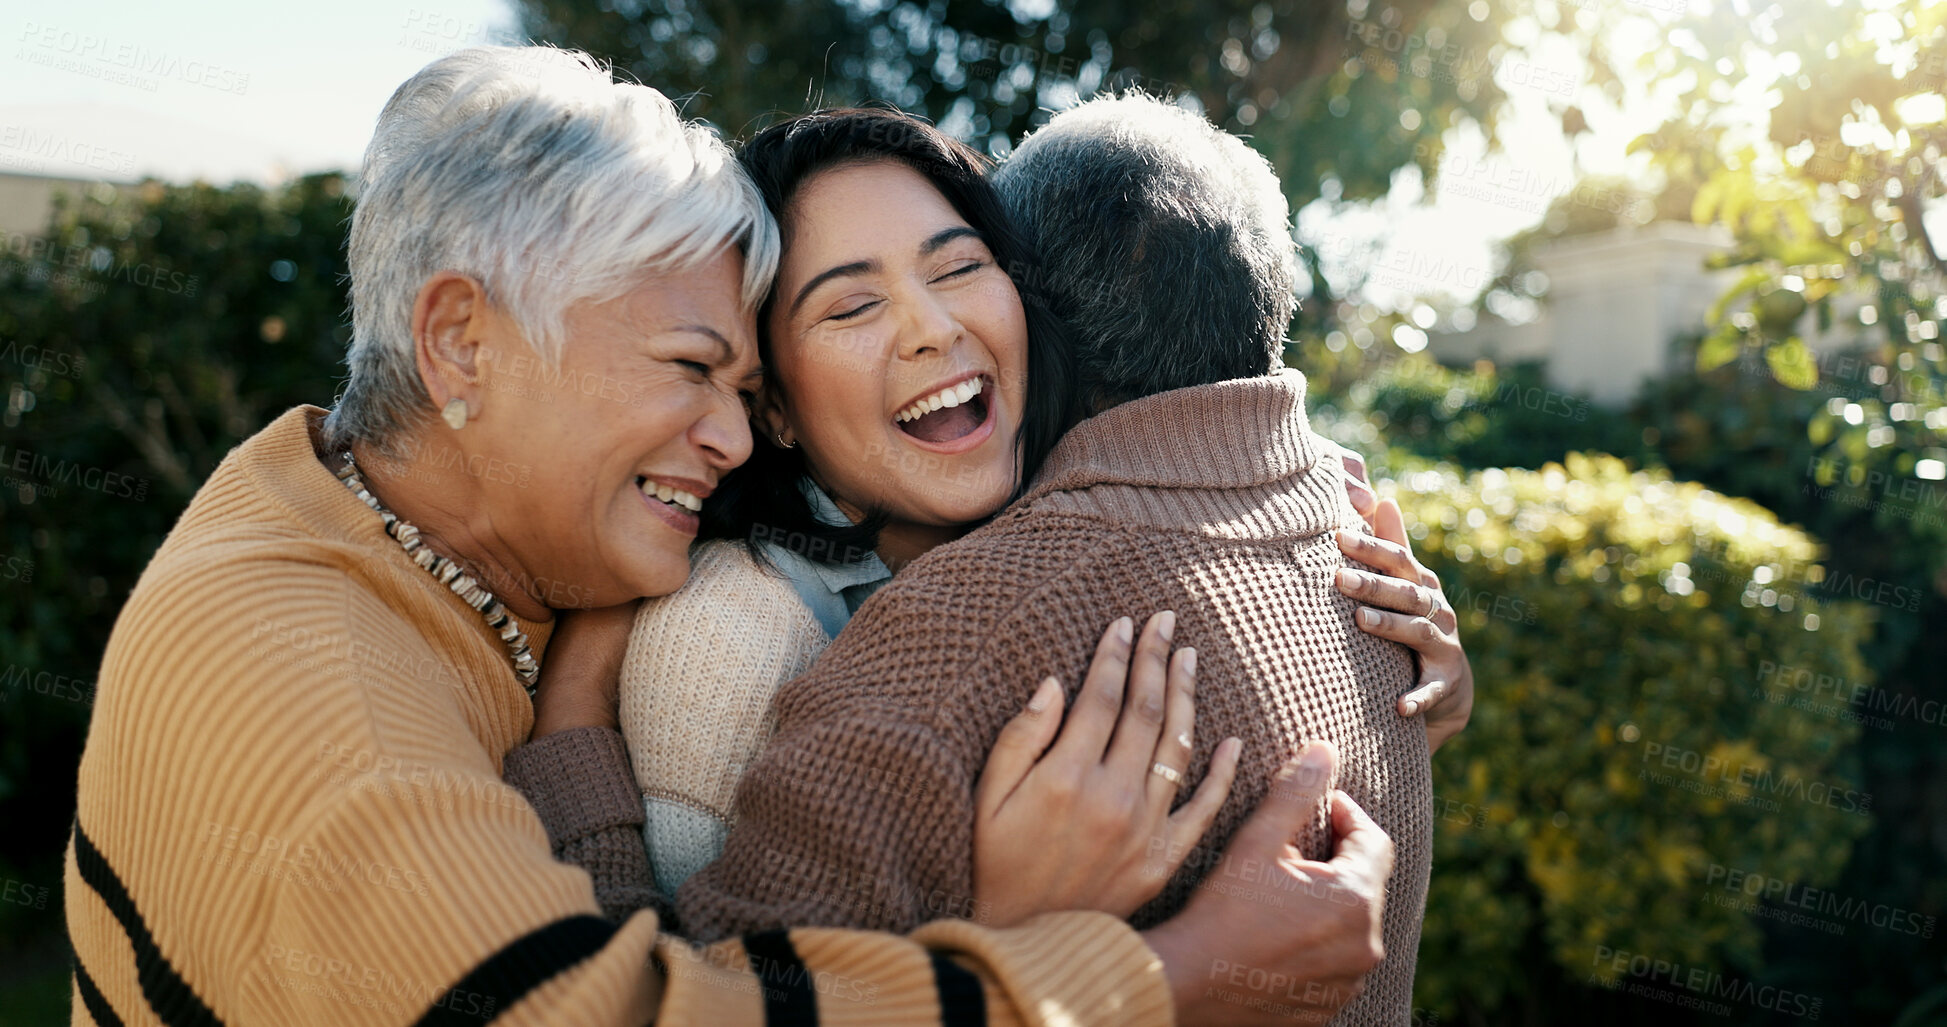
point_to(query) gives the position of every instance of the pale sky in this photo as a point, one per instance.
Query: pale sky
(122, 89)
(232, 91)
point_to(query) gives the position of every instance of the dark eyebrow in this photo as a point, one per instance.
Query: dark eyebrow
(857, 267)
(862, 267)
(944, 236)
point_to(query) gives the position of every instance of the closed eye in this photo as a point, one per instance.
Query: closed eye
(965, 269)
(854, 312)
(695, 367)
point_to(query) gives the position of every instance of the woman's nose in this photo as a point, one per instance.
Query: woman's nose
(724, 435)
(929, 327)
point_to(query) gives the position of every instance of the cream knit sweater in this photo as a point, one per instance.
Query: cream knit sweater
(696, 697)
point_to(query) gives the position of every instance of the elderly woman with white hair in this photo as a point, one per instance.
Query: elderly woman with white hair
(291, 808)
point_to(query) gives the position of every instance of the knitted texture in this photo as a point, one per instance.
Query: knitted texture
(702, 665)
(1211, 501)
(579, 784)
(290, 811)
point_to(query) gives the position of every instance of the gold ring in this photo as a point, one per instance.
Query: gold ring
(1167, 773)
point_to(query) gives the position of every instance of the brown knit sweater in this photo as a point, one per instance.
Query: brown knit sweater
(1211, 501)
(290, 811)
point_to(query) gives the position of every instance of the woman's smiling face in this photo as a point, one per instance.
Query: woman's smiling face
(898, 349)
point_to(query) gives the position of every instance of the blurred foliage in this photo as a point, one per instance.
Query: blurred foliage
(1610, 613)
(1322, 85)
(1813, 135)
(142, 336)
(167, 323)
(1484, 417)
(1737, 431)
(1340, 95)
(1827, 212)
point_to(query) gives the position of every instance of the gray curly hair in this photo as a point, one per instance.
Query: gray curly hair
(1165, 241)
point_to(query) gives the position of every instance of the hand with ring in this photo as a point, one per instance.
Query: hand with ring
(1076, 814)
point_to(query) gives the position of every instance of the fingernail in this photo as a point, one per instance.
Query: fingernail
(1166, 624)
(1125, 630)
(1349, 578)
(1412, 706)
(1190, 665)
(1045, 695)
(1312, 760)
(1369, 617)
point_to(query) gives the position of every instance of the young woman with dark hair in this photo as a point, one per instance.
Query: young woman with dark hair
(909, 171)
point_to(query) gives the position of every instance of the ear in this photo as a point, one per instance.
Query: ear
(451, 324)
(769, 411)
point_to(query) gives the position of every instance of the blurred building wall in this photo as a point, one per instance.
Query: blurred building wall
(1615, 302)
(26, 201)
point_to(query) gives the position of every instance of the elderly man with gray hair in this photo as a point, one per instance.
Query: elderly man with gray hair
(1194, 486)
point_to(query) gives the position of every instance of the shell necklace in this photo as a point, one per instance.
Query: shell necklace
(526, 667)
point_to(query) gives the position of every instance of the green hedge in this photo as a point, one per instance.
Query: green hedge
(142, 335)
(1625, 629)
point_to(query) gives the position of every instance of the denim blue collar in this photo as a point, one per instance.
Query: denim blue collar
(832, 591)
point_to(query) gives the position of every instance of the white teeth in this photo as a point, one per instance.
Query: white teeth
(674, 497)
(952, 396)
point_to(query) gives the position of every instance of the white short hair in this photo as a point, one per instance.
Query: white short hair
(533, 171)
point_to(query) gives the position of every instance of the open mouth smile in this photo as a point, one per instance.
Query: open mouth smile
(672, 504)
(953, 418)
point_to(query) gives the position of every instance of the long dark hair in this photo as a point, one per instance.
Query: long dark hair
(764, 499)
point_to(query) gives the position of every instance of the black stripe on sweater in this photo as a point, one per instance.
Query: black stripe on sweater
(98, 1008)
(962, 1003)
(782, 979)
(530, 961)
(169, 996)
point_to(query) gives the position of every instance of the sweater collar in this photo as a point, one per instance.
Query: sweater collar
(1233, 434)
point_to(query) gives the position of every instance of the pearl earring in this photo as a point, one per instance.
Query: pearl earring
(454, 414)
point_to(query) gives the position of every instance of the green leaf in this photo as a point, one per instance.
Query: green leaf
(1753, 278)
(1792, 364)
(1720, 347)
